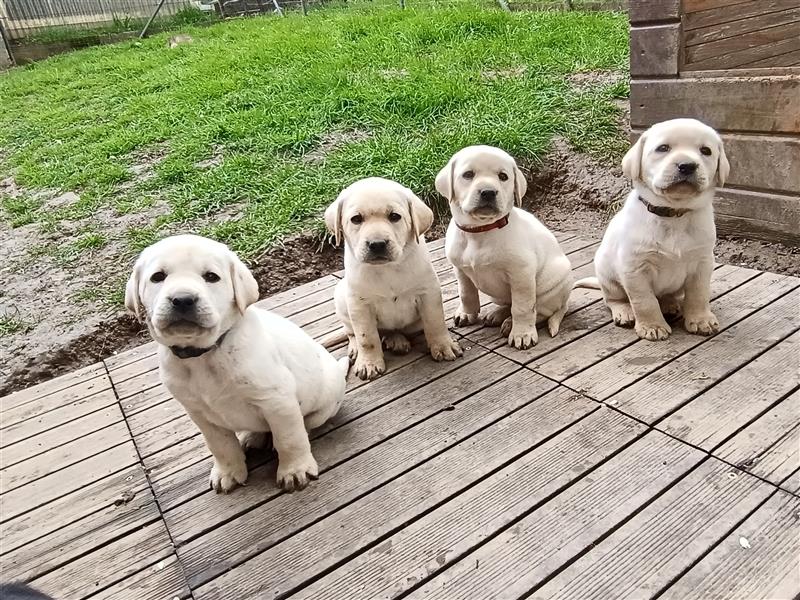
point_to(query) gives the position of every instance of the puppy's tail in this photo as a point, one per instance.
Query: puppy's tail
(334, 339)
(587, 282)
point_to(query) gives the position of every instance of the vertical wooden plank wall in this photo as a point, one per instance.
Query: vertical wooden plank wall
(734, 64)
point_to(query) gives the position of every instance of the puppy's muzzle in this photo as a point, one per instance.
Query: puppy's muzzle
(687, 169)
(377, 251)
(486, 202)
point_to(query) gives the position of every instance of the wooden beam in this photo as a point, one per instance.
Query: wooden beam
(641, 11)
(654, 50)
(760, 215)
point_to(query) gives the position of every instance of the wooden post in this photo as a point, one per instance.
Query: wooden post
(6, 58)
(305, 7)
(568, 5)
(504, 5)
(403, 4)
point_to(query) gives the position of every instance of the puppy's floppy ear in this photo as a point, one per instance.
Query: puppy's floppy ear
(632, 161)
(333, 216)
(421, 215)
(133, 301)
(445, 180)
(245, 286)
(723, 166)
(520, 185)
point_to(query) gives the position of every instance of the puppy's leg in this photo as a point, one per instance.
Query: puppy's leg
(230, 468)
(369, 360)
(670, 307)
(431, 312)
(650, 323)
(495, 316)
(467, 313)
(696, 306)
(523, 332)
(396, 342)
(296, 464)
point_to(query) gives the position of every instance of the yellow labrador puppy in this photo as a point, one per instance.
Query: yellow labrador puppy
(234, 367)
(501, 250)
(657, 253)
(389, 289)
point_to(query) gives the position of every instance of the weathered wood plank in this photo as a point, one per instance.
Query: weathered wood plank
(768, 104)
(134, 369)
(298, 292)
(108, 565)
(40, 407)
(519, 558)
(741, 59)
(752, 19)
(53, 551)
(82, 504)
(435, 541)
(65, 481)
(718, 409)
(787, 56)
(57, 417)
(147, 419)
(761, 215)
(762, 329)
(63, 456)
(725, 14)
(665, 538)
(769, 447)
(606, 339)
(58, 436)
(691, 6)
(767, 568)
(753, 156)
(120, 359)
(190, 519)
(405, 498)
(653, 10)
(165, 435)
(654, 50)
(139, 401)
(162, 581)
(82, 378)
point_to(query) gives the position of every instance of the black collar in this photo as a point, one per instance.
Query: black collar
(193, 351)
(499, 224)
(664, 211)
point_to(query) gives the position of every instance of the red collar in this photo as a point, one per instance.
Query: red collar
(499, 224)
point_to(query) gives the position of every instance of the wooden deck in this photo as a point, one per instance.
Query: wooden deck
(594, 465)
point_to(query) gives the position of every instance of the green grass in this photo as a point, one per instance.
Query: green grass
(10, 325)
(265, 91)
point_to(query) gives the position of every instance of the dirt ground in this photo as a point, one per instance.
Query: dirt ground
(61, 332)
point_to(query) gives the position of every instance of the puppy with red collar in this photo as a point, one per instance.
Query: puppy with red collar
(501, 250)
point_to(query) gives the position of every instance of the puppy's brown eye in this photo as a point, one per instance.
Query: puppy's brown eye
(356, 219)
(158, 277)
(211, 277)
(705, 151)
(394, 217)
(502, 176)
(468, 174)
(663, 148)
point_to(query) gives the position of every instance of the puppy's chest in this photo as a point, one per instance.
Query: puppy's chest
(396, 311)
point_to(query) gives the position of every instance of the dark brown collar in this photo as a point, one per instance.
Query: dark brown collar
(499, 224)
(664, 211)
(194, 351)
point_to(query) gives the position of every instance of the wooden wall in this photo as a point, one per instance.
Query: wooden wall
(734, 64)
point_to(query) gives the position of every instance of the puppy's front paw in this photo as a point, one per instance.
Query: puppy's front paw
(653, 332)
(448, 349)
(461, 318)
(366, 368)
(225, 478)
(702, 324)
(523, 338)
(295, 474)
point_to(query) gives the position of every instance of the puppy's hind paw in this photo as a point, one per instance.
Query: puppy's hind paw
(369, 369)
(653, 333)
(505, 328)
(448, 349)
(252, 439)
(706, 324)
(224, 478)
(623, 315)
(463, 319)
(295, 475)
(396, 343)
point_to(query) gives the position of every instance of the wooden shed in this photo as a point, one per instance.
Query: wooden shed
(734, 64)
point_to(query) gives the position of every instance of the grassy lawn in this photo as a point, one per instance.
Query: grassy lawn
(263, 120)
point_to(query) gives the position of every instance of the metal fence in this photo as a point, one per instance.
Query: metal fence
(34, 29)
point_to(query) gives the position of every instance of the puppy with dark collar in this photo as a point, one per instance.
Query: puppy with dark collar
(657, 253)
(239, 371)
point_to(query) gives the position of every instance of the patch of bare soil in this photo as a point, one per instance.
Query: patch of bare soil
(333, 140)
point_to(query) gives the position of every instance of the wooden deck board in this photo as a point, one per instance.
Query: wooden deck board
(483, 477)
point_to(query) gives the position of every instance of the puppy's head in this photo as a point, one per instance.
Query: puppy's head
(190, 290)
(377, 218)
(482, 183)
(678, 159)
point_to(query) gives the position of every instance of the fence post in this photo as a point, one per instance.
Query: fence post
(568, 5)
(403, 4)
(504, 5)
(305, 7)
(6, 58)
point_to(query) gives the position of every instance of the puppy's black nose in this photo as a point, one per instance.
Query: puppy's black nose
(377, 246)
(687, 168)
(183, 303)
(488, 195)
